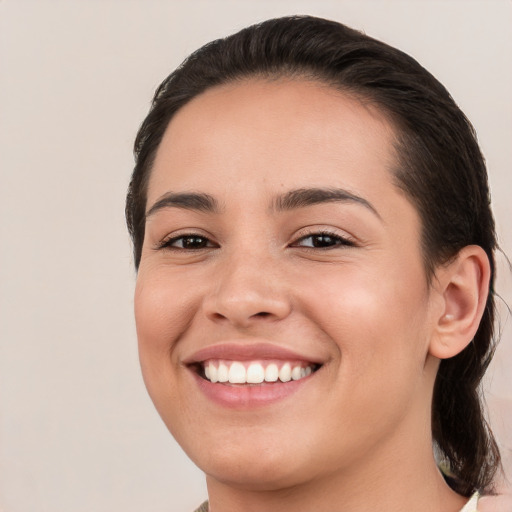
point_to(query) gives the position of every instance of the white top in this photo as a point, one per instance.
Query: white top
(471, 505)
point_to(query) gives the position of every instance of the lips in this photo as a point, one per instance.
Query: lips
(245, 375)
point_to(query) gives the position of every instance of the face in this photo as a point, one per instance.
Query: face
(282, 308)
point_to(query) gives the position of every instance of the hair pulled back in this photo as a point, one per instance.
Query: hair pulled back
(439, 167)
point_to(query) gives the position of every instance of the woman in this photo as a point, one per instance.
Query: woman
(314, 243)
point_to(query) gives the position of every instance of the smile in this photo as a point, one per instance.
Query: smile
(255, 372)
(243, 376)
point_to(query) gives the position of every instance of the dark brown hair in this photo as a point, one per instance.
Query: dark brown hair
(439, 167)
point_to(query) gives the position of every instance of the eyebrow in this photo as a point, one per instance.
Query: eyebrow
(291, 200)
(187, 200)
(304, 197)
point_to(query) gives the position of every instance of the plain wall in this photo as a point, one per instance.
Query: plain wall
(77, 429)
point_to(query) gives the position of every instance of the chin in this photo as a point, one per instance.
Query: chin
(254, 468)
(256, 477)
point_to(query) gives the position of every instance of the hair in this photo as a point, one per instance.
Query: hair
(439, 167)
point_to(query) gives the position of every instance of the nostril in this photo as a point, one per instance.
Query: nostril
(262, 314)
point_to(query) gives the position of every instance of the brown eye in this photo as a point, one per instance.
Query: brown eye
(323, 241)
(187, 242)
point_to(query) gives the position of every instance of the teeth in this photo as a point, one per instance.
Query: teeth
(271, 373)
(236, 372)
(255, 373)
(222, 373)
(213, 373)
(285, 373)
(296, 371)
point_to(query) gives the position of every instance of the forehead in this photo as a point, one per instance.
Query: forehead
(279, 132)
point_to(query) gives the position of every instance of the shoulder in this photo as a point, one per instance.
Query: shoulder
(202, 508)
(497, 503)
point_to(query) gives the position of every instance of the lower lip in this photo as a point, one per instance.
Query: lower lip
(249, 395)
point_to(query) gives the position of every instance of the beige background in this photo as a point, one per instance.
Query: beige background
(77, 431)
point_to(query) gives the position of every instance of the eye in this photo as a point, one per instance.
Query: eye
(323, 240)
(190, 242)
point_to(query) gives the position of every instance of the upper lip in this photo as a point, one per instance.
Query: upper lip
(245, 351)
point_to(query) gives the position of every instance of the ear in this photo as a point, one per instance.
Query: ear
(463, 286)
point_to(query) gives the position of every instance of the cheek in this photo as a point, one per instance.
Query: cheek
(378, 319)
(161, 310)
(380, 333)
(162, 313)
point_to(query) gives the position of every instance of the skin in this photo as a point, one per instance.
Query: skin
(358, 432)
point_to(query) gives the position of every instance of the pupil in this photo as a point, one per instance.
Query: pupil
(323, 241)
(194, 242)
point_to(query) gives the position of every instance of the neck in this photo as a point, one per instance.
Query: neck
(399, 476)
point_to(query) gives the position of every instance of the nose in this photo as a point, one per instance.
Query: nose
(247, 292)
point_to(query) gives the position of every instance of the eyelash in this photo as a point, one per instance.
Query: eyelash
(334, 240)
(338, 240)
(167, 243)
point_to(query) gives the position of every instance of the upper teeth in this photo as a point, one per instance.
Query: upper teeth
(236, 372)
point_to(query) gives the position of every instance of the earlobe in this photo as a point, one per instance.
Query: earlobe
(463, 286)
